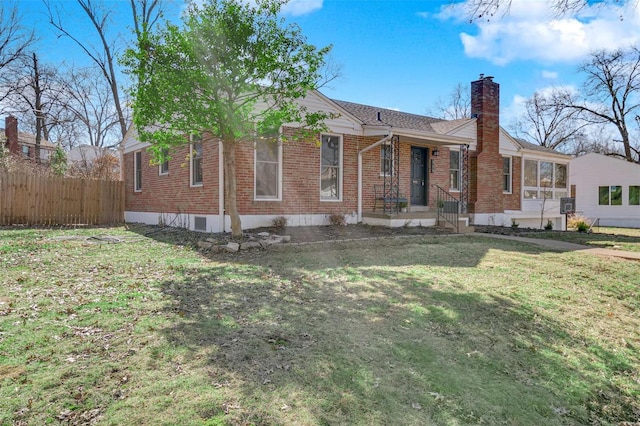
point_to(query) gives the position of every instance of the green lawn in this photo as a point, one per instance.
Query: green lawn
(612, 238)
(419, 330)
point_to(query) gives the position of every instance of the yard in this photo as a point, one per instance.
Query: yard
(123, 326)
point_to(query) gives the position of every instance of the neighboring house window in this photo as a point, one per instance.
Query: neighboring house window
(330, 167)
(386, 160)
(25, 151)
(196, 160)
(544, 180)
(137, 170)
(610, 195)
(164, 166)
(634, 195)
(454, 170)
(267, 166)
(506, 174)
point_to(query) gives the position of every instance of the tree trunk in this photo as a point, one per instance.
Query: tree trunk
(229, 158)
(38, 105)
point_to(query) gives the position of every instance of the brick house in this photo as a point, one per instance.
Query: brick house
(370, 157)
(24, 144)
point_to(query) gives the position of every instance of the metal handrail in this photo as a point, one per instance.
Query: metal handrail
(448, 208)
(596, 222)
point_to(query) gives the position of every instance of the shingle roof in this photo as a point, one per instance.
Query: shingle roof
(534, 147)
(369, 115)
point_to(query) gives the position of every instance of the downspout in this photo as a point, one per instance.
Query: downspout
(380, 142)
(221, 186)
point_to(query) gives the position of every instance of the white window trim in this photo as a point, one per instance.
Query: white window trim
(455, 190)
(510, 191)
(340, 174)
(255, 175)
(137, 186)
(538, 188)
(389, 144)
(191, 184)
(160, 172)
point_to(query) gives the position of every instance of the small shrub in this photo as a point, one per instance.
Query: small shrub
(279, 222)
(578, 222)
(514, 224)
(549, 225)
(337, 220)
(582, 226)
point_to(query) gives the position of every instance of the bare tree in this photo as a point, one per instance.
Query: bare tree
(488, 9)
(457, 105)
(35, 97)
(610, 94)
(145, 14)
(14, 43)
(548, 124)
(89, 100)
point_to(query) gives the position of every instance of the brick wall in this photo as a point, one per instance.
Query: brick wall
(487, 196)
(513, 201)
(300, 181)
(172, 193)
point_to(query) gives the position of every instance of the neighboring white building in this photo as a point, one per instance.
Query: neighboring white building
(607, 188)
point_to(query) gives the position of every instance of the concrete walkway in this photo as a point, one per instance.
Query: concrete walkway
(564, 246)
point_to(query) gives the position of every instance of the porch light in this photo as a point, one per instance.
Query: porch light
(435, 152)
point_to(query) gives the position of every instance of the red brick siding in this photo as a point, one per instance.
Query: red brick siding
(172, 193)
(487, 186)
(300, 181)
(512, 201)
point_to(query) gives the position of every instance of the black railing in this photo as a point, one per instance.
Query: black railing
(392, 199)
(448, 209)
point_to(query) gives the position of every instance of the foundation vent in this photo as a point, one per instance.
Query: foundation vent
(200, 224)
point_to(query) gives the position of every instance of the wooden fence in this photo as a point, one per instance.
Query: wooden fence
(41, 200)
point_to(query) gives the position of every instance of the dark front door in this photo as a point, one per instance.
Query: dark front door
(418, 176)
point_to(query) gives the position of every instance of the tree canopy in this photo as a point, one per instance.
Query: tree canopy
(233, 70)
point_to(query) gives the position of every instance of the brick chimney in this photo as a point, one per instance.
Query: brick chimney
(11, 132)
(486, 164)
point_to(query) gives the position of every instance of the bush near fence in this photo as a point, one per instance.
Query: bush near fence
(32, 199)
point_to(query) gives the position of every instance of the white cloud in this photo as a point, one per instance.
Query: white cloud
(549, 75)
(301, 7)
(529, 31)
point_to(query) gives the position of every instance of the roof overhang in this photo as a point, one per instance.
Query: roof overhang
(543, 154)
(417, 137)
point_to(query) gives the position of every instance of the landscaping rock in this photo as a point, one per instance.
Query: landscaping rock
(250, 245)
(232, 246)
(263, 234)
(205, 245)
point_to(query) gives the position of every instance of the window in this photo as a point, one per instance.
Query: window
(164, 166)
(330, 167)
(25, 151)
(506, 174)
(544, 180)
(386, 160)
(454, 170)
(634, 195)
(137, 171)
(610, 195)
(196, 160)
(267, 167)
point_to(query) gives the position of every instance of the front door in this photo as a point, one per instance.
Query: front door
(418, 176)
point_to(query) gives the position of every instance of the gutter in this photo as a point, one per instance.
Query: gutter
(221, 219)
(378, 143)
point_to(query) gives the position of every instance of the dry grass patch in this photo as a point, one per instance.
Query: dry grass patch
(421, 330)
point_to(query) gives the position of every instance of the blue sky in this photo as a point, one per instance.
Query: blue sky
(406, 54)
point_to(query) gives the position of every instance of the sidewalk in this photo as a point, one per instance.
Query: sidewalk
(564, 246)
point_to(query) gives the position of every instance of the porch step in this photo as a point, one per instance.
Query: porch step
(423, 218)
